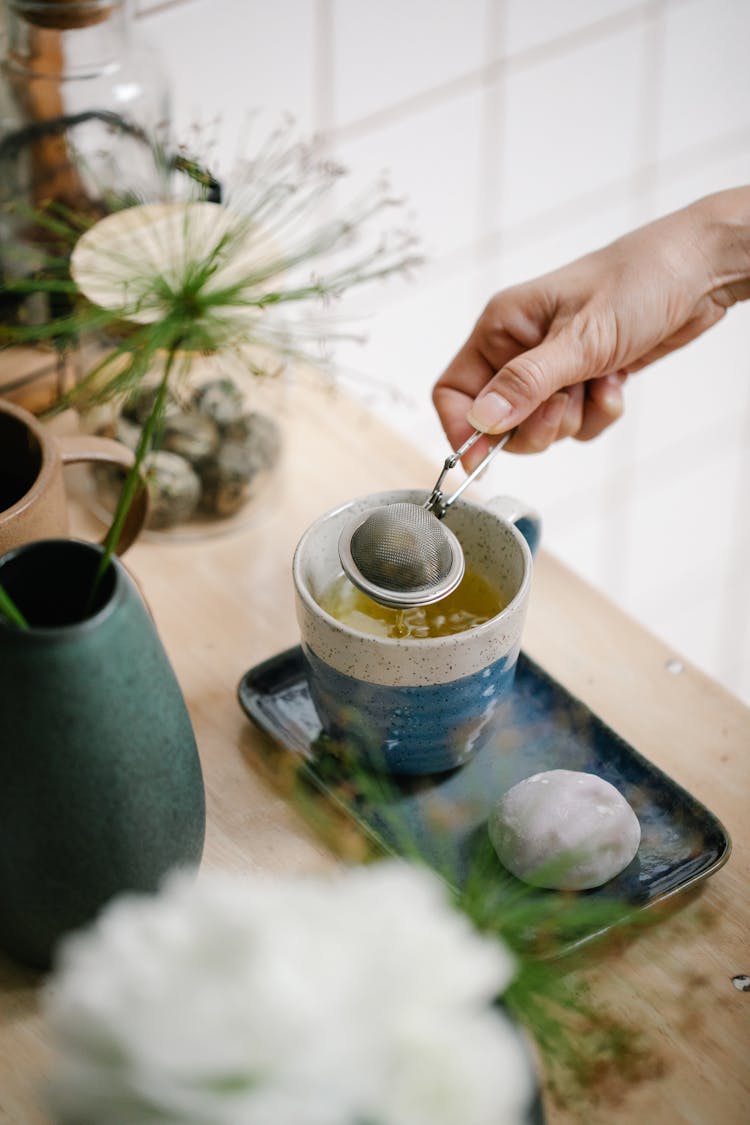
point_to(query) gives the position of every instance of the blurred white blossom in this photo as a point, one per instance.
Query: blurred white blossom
(362, 998)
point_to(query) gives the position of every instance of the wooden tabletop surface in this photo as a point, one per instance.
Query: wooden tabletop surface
(225, 604)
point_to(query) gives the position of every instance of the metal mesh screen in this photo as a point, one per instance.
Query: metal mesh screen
(402, 547)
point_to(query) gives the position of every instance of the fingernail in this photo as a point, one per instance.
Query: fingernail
(489, 412)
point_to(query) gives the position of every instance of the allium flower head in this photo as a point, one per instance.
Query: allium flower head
(177, 271)
(358, 999)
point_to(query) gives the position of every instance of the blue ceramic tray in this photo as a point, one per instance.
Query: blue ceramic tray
(540, 727)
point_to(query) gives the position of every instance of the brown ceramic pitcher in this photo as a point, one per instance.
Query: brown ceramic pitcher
(33, 503)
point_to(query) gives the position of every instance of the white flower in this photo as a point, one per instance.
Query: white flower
(358, 999)
(212, 277)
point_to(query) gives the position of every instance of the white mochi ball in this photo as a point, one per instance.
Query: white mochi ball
(565, 830)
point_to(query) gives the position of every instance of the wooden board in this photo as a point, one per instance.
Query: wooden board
(223, 605)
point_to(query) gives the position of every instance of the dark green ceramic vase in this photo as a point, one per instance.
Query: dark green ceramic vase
(100, 783)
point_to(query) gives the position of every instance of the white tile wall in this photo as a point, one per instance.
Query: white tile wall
(409, 341)
(680, 527)
(570, 125)
(437, 167)
(227, 58)
(392, 51)
(525, 133)
(697, 391)
(696, 177)
(706, 78)
(562, 235)
(531, 23)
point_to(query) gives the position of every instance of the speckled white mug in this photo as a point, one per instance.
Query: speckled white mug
(416, 706)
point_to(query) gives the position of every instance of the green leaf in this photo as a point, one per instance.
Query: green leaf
(10, 610)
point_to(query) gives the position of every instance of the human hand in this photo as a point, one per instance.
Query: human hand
(548, 358)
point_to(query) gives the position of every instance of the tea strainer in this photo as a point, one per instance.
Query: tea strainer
(401, 554)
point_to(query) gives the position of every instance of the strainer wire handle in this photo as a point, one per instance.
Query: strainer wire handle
(437, 503)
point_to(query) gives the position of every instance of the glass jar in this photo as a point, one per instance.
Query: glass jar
(81, 98)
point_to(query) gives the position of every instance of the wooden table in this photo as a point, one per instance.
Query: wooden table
(225, 604)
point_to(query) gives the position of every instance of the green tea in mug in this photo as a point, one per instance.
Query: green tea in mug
(473, 602)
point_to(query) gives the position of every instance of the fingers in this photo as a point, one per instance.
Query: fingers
(603, 405)
(559, 417)
(541, 428)
(582, 411)
(573, 416)
(532, 369)
(529, 380)
(452, 406)
(485, 352)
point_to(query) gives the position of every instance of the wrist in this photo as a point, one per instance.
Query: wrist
(722, 231)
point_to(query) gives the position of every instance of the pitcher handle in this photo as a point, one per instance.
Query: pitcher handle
(76, 448)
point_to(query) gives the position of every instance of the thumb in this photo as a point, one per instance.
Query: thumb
(526, 381)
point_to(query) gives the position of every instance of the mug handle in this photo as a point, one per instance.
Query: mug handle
(75, 448)
(518, 512)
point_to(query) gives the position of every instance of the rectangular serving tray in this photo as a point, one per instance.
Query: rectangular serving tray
(444, 817)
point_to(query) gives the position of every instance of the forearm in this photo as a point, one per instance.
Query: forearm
(722, 226)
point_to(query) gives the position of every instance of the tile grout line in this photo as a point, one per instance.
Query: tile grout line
(323, 92)
(618, 191)
(682, 452)
(645, 178)
(585, 36)
(733, 623)
(491, 184)
(491, 69)
(668, 170)
(617, 544)
(164, 6)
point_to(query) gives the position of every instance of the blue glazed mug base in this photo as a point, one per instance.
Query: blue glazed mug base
(409, 730)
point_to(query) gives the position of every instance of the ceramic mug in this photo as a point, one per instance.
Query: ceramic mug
(33, 503)
(412, 705)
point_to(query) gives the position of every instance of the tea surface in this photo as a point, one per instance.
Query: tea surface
(13, 487)
(471, 604)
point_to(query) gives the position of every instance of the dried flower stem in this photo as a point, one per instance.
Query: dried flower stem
(133, 480)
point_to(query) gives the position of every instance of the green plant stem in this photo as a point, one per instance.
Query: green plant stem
(10, 610)
(133, 480)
